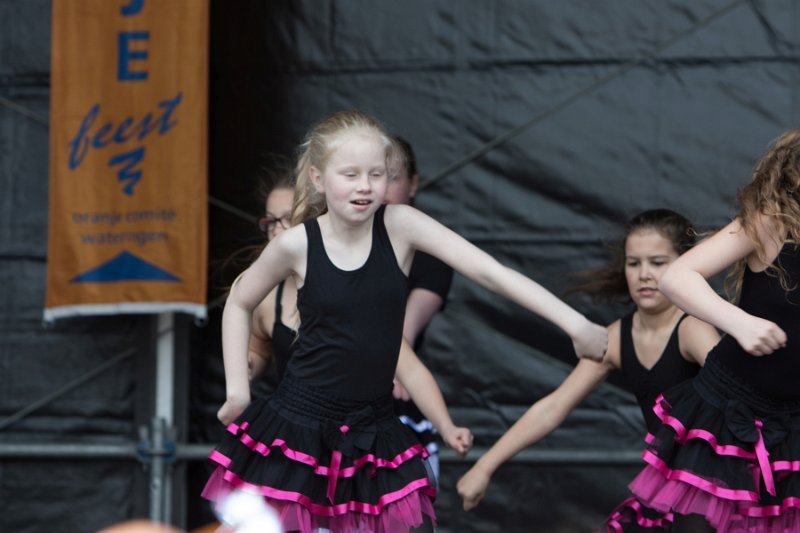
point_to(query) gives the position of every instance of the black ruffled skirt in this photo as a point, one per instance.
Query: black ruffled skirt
(724, 451)
(322, 461)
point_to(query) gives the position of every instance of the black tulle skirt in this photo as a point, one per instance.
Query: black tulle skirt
(323, 461)
(724, 451)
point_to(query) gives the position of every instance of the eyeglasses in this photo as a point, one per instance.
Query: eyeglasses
(268, 223)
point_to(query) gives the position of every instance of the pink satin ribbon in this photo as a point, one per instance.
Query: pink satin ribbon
(333, 471)
(763, 460)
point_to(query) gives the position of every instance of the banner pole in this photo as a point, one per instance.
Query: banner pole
(163, 419)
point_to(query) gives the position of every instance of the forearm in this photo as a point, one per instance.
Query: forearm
(235, 336)
(426, 395)
(529, 294)
(464, 257)
(690, 291)
(538, 422)
(421, 306)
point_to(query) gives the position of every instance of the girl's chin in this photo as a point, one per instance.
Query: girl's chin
(652, 305)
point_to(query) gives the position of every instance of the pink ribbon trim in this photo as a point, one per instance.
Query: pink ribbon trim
(745, 508)
(697, 481)
(310, 460)
(760, 454)
(763, 460)
(779, 466)
(682, 435)
(422, 485)
(771, 510)
(333, 473)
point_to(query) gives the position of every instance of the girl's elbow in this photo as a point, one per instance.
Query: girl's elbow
(669, 281)
(236, 304)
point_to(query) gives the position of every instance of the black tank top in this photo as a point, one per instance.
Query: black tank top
(669, 370)
(351, 322)
(282, 336)
(777, 374)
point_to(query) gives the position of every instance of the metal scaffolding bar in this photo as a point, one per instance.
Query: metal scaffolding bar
(164, 453)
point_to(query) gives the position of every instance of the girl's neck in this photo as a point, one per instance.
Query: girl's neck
(338, 229)
(654, 321)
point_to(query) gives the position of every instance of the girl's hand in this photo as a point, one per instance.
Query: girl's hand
(472, 487)
(231, 409)
(591, 341)
(459, 439)
(759, 337)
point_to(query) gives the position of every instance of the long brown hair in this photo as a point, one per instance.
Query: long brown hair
(774, 192)
(608, 282)
(316, 150)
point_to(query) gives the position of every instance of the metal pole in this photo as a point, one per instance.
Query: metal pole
(162, 423)
(67, 450)
(157, 431)
(199, 452)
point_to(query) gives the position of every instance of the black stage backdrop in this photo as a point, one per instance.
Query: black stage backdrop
(539, 128)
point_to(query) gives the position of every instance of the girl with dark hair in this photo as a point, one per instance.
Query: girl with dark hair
(655, 346)
(275, 319)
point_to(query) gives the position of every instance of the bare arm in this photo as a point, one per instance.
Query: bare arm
(541, 419)
(427, 396)
(282, 256)
(259, 349)
(684, 283)
(696, 338)
(415, 230)
(422, 305)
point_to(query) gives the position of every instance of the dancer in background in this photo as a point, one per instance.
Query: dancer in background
(728, 451)
(429, 282)
(326, 449)
(656, 346)
(275, 319)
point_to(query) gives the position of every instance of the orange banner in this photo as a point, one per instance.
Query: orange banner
(128, 158)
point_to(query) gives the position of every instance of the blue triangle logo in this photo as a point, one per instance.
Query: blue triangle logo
(124, 267)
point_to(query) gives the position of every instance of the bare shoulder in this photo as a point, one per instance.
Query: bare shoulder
(402, 225)
(398, 216)
(414, 225)
(293, 241)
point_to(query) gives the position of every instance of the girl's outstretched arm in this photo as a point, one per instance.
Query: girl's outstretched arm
(425, 393)
(282, 256)
(684, 283)
(538, 421)
(411, 229)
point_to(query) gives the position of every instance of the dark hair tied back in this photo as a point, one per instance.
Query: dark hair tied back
(608, 282)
